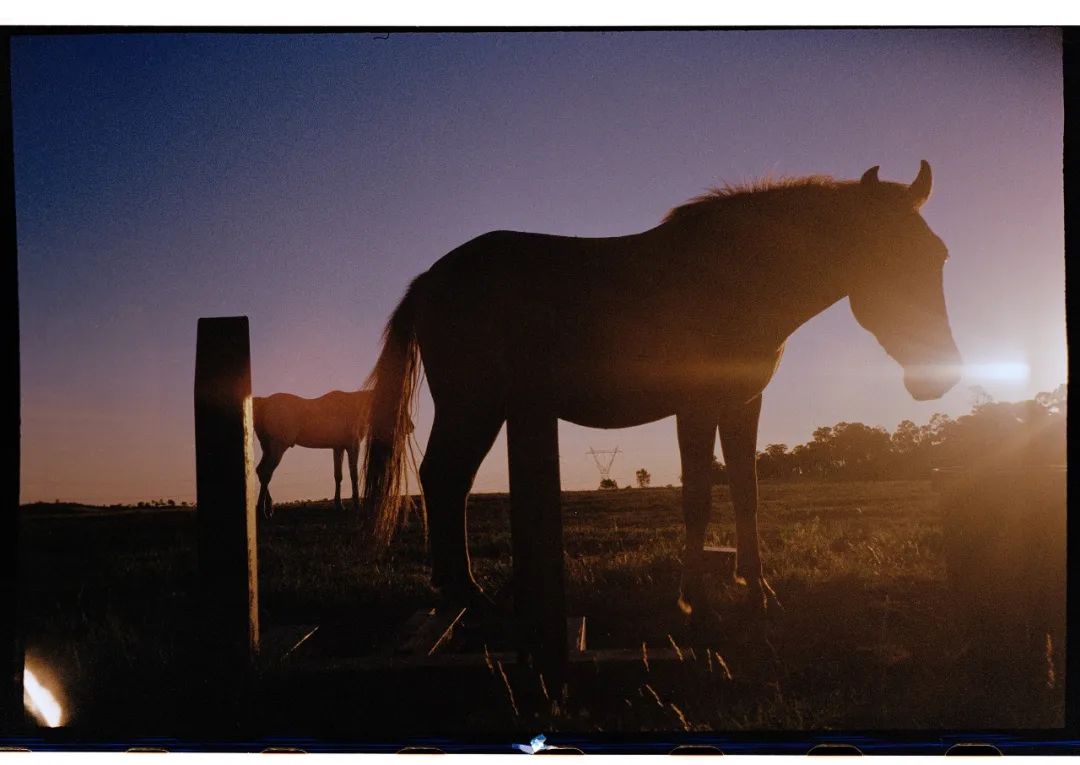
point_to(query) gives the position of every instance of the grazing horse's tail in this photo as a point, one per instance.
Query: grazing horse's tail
(395, 378)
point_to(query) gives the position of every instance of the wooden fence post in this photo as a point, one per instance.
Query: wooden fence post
(537, 540)
(226, 506)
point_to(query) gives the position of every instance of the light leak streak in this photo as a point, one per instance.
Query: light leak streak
(40, 702)
(1001, 371)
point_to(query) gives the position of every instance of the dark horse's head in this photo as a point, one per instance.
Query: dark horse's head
(896, 290)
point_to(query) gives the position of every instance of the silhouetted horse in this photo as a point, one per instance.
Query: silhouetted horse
(688, 318)
(336, 420)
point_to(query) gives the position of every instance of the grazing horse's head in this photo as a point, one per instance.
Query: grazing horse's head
(896, 291)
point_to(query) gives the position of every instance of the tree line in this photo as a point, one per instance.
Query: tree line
(1002, 434)
(993, 433)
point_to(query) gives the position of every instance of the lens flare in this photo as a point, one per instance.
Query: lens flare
(40, 702)
(1000, 371)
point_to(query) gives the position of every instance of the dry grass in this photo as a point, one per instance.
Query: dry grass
(865, 640)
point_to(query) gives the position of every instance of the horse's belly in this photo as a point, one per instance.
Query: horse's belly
(614, 409)
(325, 438)
(320, 443)
(606, 402)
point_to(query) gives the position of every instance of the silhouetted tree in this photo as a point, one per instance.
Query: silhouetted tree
(1007, 434)
(1055, 401)
(776, 463)
(802, 460)
(910, 445)
(643, 478)
(608, 483)
(860, 451)
(718, 472)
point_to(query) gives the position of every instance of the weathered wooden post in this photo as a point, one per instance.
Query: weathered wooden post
(226, 506)
(537, 540)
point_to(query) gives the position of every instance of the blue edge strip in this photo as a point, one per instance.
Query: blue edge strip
(884, 742)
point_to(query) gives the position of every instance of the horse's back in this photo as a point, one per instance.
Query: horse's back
(531, 258)
(618, 328)
(334, 420)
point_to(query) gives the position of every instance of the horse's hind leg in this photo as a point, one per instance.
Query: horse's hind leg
(738, 438)
(697, 439)
(354, 455)
(339, 455)
(271, 456)
(460, 438)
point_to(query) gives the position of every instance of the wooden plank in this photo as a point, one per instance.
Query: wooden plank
(427, 630)
(225, 501)
(719, 559)
(532, 436)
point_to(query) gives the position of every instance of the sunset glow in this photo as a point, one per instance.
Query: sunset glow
(304, 180)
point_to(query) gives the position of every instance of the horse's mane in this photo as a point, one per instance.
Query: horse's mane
(794, 190)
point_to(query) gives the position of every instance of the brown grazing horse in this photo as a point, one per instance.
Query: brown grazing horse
(687, 319)
(336, 420)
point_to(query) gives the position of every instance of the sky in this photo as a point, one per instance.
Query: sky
(303, 180)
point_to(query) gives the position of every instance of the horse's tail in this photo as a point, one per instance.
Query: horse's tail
(394, 379)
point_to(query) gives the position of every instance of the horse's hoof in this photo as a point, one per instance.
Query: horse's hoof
(692, 595)
(698, 611)
(760, 597)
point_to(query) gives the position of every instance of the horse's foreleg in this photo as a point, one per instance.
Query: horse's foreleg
(697, 438)
(354, 455)
(339, 455)
(738, 438)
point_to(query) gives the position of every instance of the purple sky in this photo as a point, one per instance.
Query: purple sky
(303, 180)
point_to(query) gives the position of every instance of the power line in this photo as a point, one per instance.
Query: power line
(604, 459)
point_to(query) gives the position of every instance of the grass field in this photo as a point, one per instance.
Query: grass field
(868, 638)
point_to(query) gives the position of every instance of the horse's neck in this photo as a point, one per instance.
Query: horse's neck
(788, 273)
(807, 281)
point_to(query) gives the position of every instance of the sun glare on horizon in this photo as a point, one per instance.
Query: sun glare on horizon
(999, 371)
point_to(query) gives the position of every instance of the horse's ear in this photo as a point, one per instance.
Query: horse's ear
(869, 178)
(919, 190)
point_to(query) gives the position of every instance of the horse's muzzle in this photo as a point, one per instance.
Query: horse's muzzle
(928, 382)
